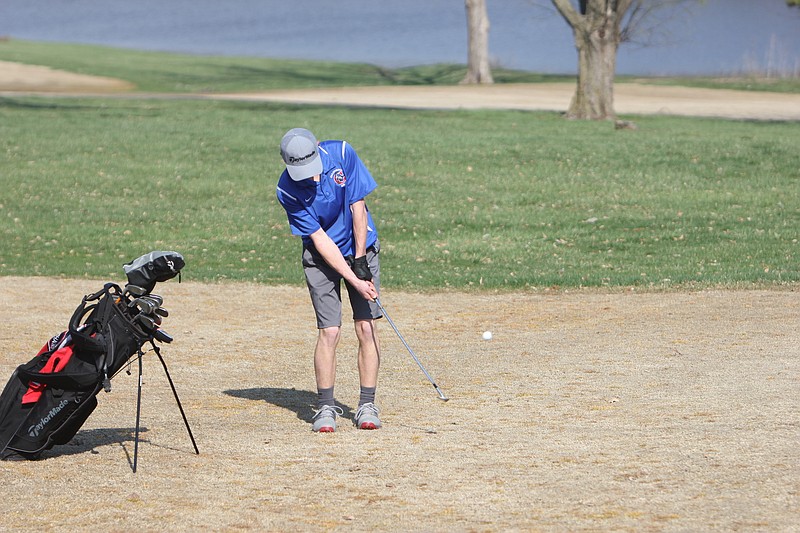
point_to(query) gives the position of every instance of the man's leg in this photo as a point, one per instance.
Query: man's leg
(369, 361)
(323, 286)
(325, 373)
(325, 357)
(369, 352)
(369, 349)
(364, 315)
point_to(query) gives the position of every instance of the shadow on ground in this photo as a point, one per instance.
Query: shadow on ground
(298, 401)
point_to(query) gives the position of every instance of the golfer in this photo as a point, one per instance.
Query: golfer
(323, 190)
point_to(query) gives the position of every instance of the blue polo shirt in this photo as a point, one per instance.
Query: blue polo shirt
(326, 204)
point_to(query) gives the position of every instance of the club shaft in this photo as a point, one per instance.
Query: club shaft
(410, 351)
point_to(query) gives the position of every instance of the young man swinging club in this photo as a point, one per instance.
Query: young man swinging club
(323, 190)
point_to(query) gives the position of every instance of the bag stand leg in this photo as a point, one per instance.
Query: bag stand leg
(139, 405)
(177, 400)
(138, 416)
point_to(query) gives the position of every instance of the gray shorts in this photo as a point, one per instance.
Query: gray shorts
(325, 288)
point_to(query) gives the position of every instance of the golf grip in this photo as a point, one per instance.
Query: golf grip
(410, 351)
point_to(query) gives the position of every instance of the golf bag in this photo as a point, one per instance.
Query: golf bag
(48, 399)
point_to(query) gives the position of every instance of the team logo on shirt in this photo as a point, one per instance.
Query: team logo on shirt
(338, 177)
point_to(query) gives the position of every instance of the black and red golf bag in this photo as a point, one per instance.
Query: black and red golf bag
(48, 399)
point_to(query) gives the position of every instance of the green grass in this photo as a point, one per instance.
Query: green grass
(741, 83)
(489, 199)
(467, 199)
(165, 72)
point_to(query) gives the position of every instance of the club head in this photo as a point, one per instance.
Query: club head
(135, 290)
(155, 302)
(163, 312)
(156, 298)
(162, 336)
(145, 305)
(146, 321)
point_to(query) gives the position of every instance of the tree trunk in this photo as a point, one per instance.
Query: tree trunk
(596, 28)
(478, 70)
(597, 61)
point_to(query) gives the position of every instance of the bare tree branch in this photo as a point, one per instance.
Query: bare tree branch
(566, 10)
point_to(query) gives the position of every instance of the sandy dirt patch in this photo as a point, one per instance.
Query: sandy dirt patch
(586, 412)
(17, 77)
(630, 98)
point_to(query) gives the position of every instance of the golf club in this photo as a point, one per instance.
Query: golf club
(391, 323)
(155, 298)
(135, 290)
(162, 336)
(146, 306)
(154, 303)
(146, 321)
(155, 310)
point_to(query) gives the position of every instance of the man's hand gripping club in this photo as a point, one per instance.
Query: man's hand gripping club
(360, 268)
(331, 254)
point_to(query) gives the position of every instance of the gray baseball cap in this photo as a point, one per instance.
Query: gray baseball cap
(300, 153)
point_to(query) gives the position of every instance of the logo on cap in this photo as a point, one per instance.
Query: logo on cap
(293, 159)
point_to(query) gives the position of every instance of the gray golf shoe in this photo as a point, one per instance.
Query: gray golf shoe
(367, 417)
(325, 418)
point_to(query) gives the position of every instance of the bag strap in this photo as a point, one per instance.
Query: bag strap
(89, 338)
(89, 330)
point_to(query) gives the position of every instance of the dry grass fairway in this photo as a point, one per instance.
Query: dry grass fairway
(586, 412)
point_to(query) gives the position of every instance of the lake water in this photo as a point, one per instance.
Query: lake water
(717, 37)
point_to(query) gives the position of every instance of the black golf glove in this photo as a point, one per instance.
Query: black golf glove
(361, 268)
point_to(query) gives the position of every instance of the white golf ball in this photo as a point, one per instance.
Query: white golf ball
(487, 335)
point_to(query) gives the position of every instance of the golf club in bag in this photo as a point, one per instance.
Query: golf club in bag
(48, 399)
